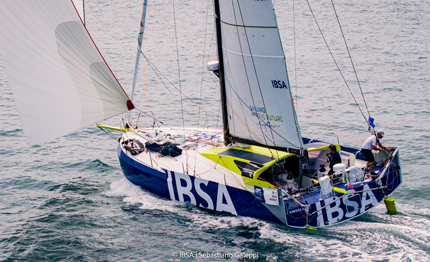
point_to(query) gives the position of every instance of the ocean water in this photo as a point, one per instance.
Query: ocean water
(67, 200)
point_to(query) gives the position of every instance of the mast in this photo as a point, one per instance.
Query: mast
(139, 47)
(227, 139)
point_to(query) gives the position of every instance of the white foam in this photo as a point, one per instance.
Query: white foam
(358, 241)
(136, 195)
(122, 187)
(385, 237)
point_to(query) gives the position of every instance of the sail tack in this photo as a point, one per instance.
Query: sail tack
(59, 79)
(258, 96)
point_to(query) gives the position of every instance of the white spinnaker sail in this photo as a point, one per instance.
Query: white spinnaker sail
(79, 5)
(259, 103)
(59, 79)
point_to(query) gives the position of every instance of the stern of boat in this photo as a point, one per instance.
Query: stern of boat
(390, 176)
(347, 200)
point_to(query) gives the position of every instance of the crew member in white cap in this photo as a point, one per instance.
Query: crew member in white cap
(371, 143)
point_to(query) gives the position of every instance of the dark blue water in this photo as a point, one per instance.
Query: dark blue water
(67, 200)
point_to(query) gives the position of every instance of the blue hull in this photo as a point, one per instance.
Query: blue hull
(201, 192)
(332, 209)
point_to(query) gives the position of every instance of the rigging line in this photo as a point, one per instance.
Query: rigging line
(278, 187)
(179, 69)
(326, 124)
(217, 121)
(243, 60)
(350, 57)
(212, 39)
(215, 81)
(219, 104)
(228, 172)
(295, 50)
(174, 27)
(234, 175)
(346, 83)
(144, 78)
(203, 59)
(296, 118)
(180, 102)
(203, 65)
(155, 68)
(144, 94)
(153, 117)
(109, 133)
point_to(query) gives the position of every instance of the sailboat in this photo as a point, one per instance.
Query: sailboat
(258, 166)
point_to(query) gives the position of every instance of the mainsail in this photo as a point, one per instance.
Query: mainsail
(258, 103)
(60, 81)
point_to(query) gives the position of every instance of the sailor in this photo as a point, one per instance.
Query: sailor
(371, 143)
(333, 158)
(286, 179)
(283, 174)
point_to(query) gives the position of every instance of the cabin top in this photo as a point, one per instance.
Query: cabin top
(256, 164)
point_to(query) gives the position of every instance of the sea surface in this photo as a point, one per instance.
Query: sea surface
(67, 200)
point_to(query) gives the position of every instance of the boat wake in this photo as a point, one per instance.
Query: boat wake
(136, 196)
(373, 236)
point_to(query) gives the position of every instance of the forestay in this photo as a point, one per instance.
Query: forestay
(259, 102)
(60, 81)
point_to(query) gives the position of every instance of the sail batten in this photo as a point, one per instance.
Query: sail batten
(259, 105)
(59, 79)
(250, 26)
(253, 55)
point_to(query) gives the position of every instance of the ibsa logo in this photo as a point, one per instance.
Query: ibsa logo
(279, 84)
(352, 206)
(184, 187)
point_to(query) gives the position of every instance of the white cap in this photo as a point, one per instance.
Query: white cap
(381, 132)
